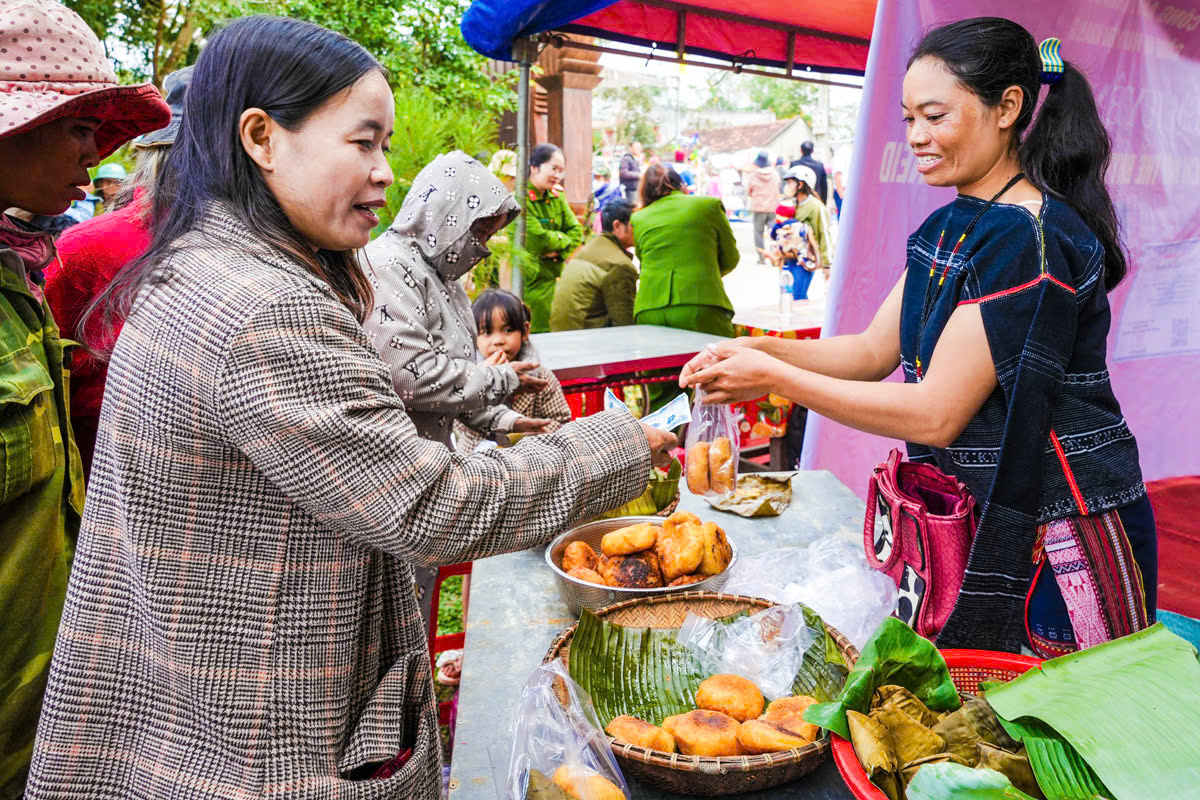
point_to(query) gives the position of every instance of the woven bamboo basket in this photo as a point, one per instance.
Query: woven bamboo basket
(702, 776)
(968, 669)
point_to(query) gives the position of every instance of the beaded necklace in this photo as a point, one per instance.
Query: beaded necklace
(930, 302)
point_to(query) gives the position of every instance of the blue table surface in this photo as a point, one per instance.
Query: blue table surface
(515, 612)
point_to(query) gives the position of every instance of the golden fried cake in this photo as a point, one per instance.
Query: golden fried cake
(580, 555)
(589, 575)
(720, 465)
(680, 548)
(717, 550)
(704, 733)
(759, 736)
(631, 539)
(732, 695)
(636, 571)
(584, 784)
(788, 713)
(641, 733)
(679, 519)
(697, 468)
(684, 580)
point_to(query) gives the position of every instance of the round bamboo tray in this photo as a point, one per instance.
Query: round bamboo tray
(968, 668)
(702, 775)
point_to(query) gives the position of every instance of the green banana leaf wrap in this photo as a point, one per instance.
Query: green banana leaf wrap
(646, 673)
(895, 654)
(950, 781)
(659, 494)
(757, 495)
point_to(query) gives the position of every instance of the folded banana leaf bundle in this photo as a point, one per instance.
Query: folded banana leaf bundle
(757, 495)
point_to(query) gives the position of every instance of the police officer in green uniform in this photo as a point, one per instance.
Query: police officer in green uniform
(551, 230)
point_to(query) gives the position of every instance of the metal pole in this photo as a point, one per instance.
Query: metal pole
(522, 49)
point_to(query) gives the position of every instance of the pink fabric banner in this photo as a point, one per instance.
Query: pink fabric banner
(1142, 61)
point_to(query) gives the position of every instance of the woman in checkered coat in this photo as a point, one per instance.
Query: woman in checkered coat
(240, 621)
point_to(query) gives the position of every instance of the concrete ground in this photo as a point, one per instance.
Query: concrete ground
(755, 286)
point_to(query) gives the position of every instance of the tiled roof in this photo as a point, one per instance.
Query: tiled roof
(742, 137)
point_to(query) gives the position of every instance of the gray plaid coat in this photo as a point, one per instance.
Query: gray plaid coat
(240, 621)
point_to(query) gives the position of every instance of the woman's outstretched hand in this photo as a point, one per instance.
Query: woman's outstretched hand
(706, 358)
(732, 373)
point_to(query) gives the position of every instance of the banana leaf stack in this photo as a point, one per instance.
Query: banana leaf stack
(1119, 721)
(661, 495)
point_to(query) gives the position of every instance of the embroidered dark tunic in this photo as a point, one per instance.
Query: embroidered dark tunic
(1051, 440)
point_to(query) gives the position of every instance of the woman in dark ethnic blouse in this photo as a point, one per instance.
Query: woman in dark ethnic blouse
(999, 322)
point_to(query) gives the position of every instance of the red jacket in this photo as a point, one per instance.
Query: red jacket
(89, 255)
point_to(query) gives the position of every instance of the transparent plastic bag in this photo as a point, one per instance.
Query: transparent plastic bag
(765, 648)
(830, 576)
(711, 462)
(555, 743)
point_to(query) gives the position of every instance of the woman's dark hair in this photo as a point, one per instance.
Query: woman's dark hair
(1067, 150)
(542, 153)
(286, 67)
(659, 181)
(516, 314)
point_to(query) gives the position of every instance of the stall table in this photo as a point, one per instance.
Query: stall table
(586, 362)
(516, 612)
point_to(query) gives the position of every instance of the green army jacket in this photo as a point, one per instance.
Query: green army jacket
(41, 501)
(597, 287)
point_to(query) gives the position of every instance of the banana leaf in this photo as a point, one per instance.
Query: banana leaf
(1129, 707)
(950, 781)
(659, 494)
(646, 673)
(757, 496)
(1061, 773)
(895, 654)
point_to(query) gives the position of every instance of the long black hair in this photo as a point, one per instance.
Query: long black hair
(1067, 150)
(286, 67)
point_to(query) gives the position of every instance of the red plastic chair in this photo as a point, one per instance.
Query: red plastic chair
(453, 641)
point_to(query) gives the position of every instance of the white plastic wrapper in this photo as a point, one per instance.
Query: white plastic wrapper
(765, 648)
(711, 463)
(554, 727)
(830, 576)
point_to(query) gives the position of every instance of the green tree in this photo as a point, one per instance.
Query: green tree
(632, 105)
(418, 41)
(787, 98)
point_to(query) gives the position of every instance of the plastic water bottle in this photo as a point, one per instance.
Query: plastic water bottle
(786, 279)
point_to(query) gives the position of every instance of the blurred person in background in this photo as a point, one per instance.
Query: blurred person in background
(631, 171)
(806, 160)
(762, 190)
(552, 232)
(109, 180)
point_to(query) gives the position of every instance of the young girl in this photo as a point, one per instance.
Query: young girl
(503, 323)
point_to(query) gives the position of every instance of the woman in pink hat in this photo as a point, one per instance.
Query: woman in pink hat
(61, 111)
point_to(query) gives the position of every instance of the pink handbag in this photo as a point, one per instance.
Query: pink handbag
(919, 528)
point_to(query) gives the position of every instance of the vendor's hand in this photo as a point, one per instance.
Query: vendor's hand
(497, 358)
(737, 374)
(707, 357)
(530, 383)
(532, 426)
(661, 444)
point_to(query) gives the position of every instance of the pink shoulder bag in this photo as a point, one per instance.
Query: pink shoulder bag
(919, 527)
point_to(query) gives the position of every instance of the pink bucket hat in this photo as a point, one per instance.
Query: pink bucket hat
(52, 66)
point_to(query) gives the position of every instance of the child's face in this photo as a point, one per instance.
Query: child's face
(499, 335)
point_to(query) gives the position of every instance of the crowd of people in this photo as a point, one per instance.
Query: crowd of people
(280, 426)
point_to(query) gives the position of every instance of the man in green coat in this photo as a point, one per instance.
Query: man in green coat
(684, 246)
(598, 284)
